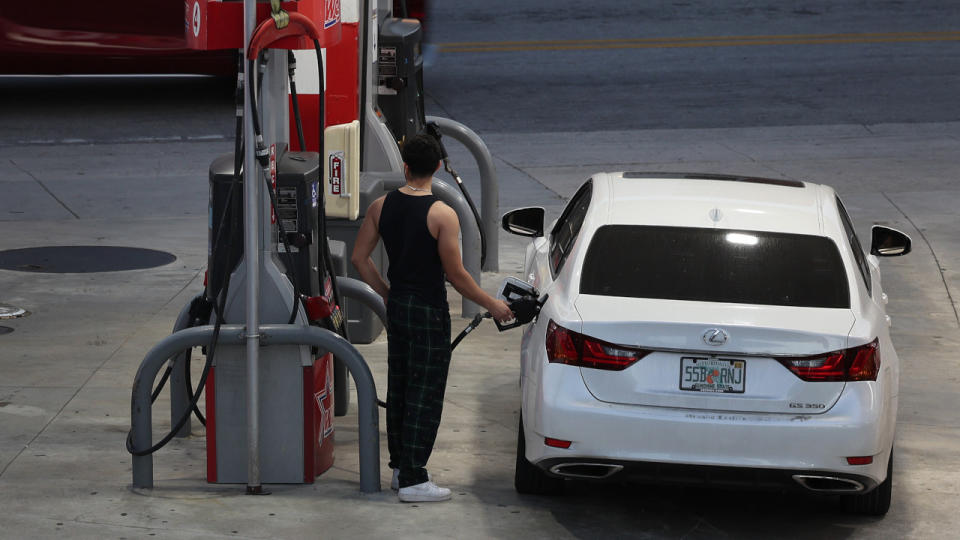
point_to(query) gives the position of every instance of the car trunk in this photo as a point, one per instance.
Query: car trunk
(684, 371)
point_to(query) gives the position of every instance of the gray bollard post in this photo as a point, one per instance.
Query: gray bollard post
(141, 416)
(360, 291)
(489, 185)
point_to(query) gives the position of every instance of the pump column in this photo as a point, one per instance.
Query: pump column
(253, 263)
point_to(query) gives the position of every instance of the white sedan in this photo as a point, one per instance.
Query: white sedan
(713, 328)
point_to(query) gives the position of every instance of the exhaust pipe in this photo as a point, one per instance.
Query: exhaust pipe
(828, 484)
(594, 471)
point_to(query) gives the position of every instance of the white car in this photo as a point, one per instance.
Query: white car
(714, 328)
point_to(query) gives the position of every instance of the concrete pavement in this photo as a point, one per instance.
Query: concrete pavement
(66, 369)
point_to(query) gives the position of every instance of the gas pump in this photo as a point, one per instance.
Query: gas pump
(400, 78)
(271, 421)
(400, 93)
(296, 249)
(296, 281)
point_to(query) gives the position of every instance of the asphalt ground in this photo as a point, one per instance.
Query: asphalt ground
(123, 161)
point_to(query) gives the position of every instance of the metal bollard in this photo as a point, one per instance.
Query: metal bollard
(141, 415)
(489, 185)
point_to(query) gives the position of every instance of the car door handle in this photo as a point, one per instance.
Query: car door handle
(885, 298)
(889, 320)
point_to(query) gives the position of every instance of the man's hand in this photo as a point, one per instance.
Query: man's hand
(500, 310)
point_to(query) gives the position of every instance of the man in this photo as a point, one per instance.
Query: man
(421, 236)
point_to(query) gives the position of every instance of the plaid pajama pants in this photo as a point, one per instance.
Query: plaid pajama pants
(418, 358)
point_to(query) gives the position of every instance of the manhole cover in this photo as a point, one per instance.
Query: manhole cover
(5, 330)
(10, 312)
(82, 259)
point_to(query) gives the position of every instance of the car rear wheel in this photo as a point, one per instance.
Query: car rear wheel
(528, 477)
(877, 502)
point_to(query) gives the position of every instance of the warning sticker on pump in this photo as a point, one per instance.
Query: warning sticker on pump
(336, 172)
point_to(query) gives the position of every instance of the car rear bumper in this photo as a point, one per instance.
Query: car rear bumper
(638, 437)
(826, 482)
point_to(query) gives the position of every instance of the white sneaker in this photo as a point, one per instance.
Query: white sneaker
(395, 481)
(425, 492)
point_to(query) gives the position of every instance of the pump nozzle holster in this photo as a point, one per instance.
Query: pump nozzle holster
(433, 129)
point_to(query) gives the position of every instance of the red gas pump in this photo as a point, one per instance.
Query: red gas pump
(294, 25)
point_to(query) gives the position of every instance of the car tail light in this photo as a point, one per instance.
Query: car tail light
(860, 363)
(565, 346)
(859, 460)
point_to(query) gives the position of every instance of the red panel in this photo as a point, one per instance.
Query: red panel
(211, 400)
(318, 402)
(343, 78)
(309, 120)
(342, 100)
(213, 24)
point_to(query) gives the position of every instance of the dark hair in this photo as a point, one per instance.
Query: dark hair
(422, 154)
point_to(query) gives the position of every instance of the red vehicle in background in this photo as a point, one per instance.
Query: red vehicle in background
(103, 36)
(113, 36)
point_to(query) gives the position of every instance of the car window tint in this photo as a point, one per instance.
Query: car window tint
(715, 265)
(854, 244)
(565, 232)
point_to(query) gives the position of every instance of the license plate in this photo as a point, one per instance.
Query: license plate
(712, 375)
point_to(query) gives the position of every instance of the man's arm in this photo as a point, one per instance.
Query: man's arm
(444, 222)
(366, 242)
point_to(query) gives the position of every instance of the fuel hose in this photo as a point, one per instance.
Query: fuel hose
(218, 304)
(433, 129)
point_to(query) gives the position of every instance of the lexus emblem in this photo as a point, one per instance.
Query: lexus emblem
(715, 337)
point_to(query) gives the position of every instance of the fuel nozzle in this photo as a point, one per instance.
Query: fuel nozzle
(525, 309)
(433, 130)
(523, 300)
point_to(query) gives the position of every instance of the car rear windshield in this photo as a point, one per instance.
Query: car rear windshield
(715, 265)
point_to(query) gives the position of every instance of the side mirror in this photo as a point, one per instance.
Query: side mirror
(887, 242)
(524, 221)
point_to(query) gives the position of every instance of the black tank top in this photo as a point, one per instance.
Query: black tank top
(415, 267)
